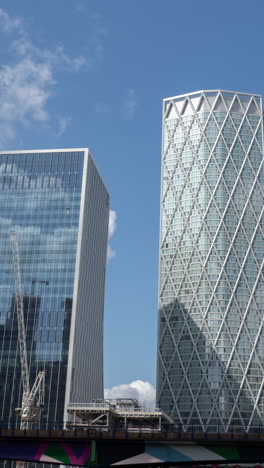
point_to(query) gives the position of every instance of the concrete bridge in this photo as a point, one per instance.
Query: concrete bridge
(101, 449)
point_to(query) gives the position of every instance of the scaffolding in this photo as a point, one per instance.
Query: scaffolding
(123, 414)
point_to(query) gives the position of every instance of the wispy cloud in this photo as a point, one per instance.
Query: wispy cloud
(96, 31)
(141, 390)
(111, 231)
(97, 36)
(9, 23)
(102, 108)
(28, 81)
(25, 48)
(63, 124)
(80, 7)
(130, 103)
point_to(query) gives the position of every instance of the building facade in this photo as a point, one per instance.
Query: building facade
(211, 286)
(58, 205)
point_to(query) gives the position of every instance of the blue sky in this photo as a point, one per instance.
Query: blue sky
(93, 73)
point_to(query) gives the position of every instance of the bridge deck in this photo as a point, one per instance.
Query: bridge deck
(85, 434)
(96, 449)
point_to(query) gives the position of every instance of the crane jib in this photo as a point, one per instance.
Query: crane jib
(30, 408)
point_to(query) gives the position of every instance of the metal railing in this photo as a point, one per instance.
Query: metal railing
(90, 405)
(115, 407)
(167, 431)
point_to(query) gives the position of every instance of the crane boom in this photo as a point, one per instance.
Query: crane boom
(20, 318)
(30, 409)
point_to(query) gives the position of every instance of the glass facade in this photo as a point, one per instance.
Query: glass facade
(211, 337)
(48, 198)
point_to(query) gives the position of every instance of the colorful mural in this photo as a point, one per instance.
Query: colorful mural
(80, 454)
(100, 453)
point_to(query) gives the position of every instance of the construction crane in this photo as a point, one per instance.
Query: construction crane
(32, 399)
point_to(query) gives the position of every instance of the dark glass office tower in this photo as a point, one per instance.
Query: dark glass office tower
(58, 205)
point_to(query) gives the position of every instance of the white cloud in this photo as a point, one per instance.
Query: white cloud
(110, 252)
(28, 80)
(25, 48)
(130, 103)
(142, 391)
(24, 90)
(112, 223)
(63, 124)
(9, 24)
(111, 230)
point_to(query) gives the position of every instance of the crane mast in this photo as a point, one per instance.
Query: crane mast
(32, 399)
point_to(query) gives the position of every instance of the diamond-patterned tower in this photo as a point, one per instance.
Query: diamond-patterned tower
(211, 336)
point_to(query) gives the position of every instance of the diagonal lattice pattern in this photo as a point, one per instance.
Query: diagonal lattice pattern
(211, 335)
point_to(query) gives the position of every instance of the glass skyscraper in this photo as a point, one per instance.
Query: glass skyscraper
(58, 205)
(211, 285)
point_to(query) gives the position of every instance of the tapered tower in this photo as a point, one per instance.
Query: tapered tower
(211, 284)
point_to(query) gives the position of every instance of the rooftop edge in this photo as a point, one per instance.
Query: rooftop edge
(212, 91)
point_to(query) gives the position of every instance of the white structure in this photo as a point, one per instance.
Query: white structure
(211, 336)
(117, 414)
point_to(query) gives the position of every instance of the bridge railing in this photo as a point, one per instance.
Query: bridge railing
(177, 432)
